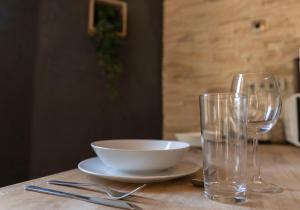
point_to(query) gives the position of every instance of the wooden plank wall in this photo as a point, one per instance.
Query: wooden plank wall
(206, 42)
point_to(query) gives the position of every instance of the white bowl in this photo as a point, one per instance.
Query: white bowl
(137, 155)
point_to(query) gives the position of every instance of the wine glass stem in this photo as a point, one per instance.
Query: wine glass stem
(256, 162)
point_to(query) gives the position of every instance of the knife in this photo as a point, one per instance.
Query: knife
(96, 200)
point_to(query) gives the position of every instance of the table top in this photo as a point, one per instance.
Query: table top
(280, 165)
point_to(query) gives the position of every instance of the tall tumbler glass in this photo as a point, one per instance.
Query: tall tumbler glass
(224, 133)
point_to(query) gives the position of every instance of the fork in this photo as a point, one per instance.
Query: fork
(112, 193)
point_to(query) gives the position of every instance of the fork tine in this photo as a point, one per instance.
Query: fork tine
(124, 195)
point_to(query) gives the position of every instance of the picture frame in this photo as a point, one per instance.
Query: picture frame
(120, 5)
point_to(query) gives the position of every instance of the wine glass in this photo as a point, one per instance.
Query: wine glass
(264, 107)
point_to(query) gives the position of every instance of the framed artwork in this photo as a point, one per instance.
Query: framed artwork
(121, 6)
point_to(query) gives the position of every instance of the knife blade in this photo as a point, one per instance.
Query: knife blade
(96, 200)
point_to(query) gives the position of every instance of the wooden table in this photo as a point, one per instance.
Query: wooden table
(280, 165)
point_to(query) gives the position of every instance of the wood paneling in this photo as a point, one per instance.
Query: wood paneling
(206, 42)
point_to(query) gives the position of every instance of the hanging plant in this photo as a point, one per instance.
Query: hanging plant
(108, 44)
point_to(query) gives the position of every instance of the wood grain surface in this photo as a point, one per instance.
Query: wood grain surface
(206, 42)
(280, 165)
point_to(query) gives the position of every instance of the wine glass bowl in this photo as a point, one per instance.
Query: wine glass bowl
(264, 108)
(264, 101)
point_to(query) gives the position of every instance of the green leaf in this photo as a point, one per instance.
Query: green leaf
(108, 44)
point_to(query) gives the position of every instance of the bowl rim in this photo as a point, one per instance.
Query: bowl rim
(185, 145)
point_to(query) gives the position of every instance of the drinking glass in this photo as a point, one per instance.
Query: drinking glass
(264, 107)
(224, 132)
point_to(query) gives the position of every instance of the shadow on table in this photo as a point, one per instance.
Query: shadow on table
(291, 190)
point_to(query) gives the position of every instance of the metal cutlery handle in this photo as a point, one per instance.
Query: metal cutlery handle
(54, 192)
(65, 183)
(76, 184)
(101, 201)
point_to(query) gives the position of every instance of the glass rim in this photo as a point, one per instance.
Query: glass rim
(264, 73)
(223, 94)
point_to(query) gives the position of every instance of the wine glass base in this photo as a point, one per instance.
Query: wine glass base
(263, 187)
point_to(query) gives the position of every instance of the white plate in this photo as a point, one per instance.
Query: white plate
(193, 138)
(94, 166)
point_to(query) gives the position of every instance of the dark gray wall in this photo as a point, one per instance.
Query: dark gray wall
(53, 98)
(71, 105)
(17, 52)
